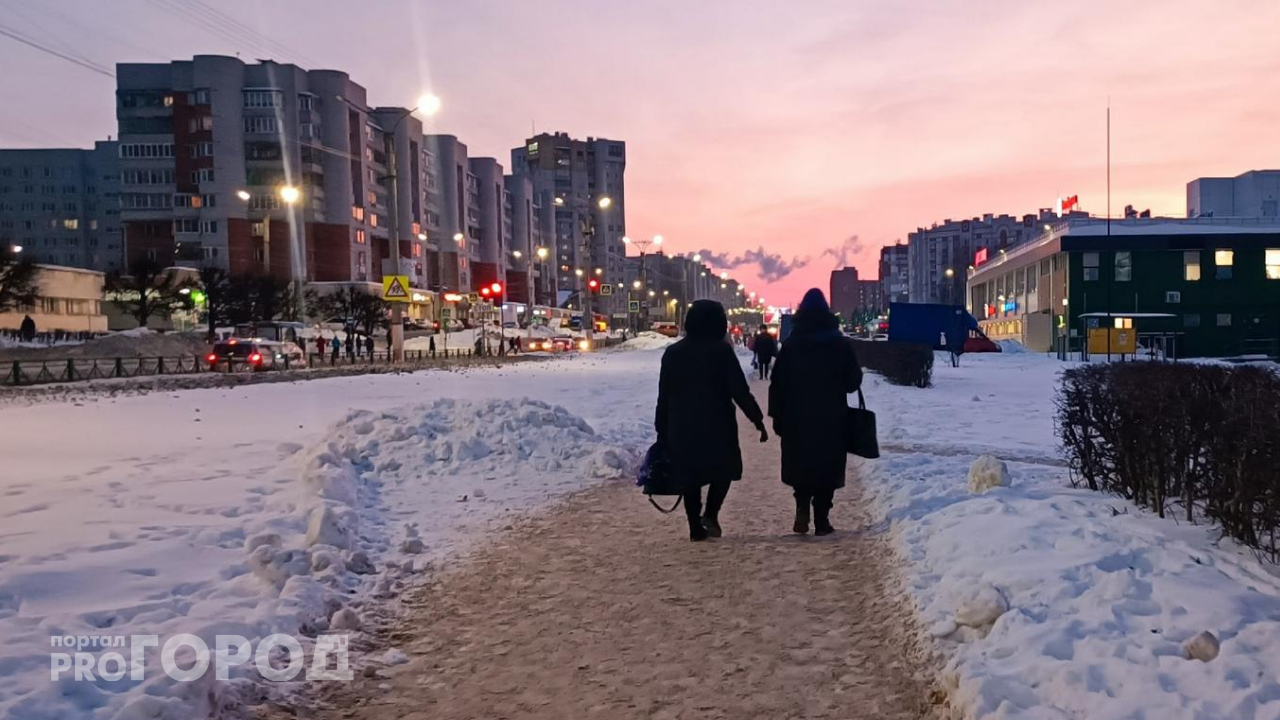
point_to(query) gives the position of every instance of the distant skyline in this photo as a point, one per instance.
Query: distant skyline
(762, 131)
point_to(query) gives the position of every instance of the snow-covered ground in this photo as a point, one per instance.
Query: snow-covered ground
(265, 508)
(1099, 597)
(246, 510)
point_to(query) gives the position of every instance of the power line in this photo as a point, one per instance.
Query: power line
(236, 25)
(88, 65)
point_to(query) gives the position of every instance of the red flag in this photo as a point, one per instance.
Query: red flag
(1070, 202)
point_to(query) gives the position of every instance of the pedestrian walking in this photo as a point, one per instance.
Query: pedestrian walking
(320, 343)
(515, 345)
(815, 371)
(368, 345)
(350, 345)
(699, 383)
(335, 347)
(431, 345)
(764, 347)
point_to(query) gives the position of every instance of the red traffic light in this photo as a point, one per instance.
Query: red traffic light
(484, 291)
(496, 288)
(594, 284)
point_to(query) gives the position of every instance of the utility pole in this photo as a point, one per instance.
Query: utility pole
(397, 308)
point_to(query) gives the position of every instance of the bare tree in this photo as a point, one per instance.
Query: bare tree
(148, 290)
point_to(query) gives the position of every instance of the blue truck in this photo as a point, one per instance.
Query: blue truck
(942, 327)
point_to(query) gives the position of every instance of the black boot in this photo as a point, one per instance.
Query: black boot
(693, 513)
(801, 525)
(715, 499)
(822, 514)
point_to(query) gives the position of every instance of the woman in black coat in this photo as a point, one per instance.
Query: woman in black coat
(700, 381)
(815, 371)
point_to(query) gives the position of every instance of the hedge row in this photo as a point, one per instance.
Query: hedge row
(900, 363)
(1199, 440)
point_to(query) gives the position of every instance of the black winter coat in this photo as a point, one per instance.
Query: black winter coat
(765, 347)
(812, 376)
(700, 381)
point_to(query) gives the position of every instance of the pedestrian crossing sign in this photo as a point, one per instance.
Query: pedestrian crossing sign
(395, 288)
(606, 289)
(633, 306)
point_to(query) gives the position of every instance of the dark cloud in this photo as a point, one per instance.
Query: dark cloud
(771, 266)
(844, 254)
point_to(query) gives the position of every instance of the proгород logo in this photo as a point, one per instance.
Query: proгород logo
(185, 657)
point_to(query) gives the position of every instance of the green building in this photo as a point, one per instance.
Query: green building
(1203, 287)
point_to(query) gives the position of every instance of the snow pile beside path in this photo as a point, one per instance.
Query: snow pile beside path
(1012, 346)
(647, 340)
(1049, 602)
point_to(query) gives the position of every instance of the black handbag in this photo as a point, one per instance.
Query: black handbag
(860, 431)
(656, 478)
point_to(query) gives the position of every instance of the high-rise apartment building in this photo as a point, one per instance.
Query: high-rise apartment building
(61, 206)
(268, 168)
(894, 274)
(939, 257)
(582, 182)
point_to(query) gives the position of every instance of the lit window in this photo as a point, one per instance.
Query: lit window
(1273, 264)
(1223, 260)
(360, 237)
(1191, 265)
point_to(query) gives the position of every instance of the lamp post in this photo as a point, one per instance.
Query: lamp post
(644, 246)
(429, 105)
(950, 274)
(289, 195)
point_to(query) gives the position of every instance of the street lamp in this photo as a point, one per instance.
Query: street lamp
(517, 254)
(428, 105)
(289, 194)
(559, 201)
(577, 271)
(542, 253)
(243, 195)
(16, 248)
(636, 284)
(604, 202)
(422, 237)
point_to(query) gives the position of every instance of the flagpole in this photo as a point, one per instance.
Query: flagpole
(1110, 271)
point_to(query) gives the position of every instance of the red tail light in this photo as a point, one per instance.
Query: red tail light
(212, 358)
(255, 358)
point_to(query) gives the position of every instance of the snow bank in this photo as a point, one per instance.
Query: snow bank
(1048, 602)
(274, 508)
(647, 340)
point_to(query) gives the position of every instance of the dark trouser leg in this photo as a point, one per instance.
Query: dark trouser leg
(822, 500)
(802, 511)
(693, 512)
(715, 497)
(764, 369)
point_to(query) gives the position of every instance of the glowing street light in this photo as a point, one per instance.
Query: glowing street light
(949, 272)
(724, 276)
(458, 237)
(577, 271)
(16, 248)
(517, 254)
(599, 271)
(697, 257)
(604, 202)
(559, 201)
(422, 237)
(657, 239)
(428, 105)
(243, 195)
(635, 284)
(542, 253)
(289, 194)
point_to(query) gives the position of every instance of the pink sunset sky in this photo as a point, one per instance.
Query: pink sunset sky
(787, 126)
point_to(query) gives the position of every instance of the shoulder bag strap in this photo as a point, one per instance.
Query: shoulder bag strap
(663, 510)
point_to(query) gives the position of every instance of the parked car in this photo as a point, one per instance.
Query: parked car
(559, 343)
(669, 329)
(255, 354)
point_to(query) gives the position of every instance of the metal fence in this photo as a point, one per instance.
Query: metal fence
(44, 372)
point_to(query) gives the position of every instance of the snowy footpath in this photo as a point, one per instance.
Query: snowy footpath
(1046, 602)
(284, 508)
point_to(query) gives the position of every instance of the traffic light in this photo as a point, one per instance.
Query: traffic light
(594, 285)
(496, 289)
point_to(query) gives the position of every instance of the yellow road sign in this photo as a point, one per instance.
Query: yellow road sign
(395, 288)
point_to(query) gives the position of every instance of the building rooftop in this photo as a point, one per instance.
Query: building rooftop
(1133, 227)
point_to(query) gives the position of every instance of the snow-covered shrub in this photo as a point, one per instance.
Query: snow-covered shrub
(1199, 440)
(900, 363)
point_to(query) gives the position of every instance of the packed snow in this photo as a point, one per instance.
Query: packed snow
(1048, 602)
